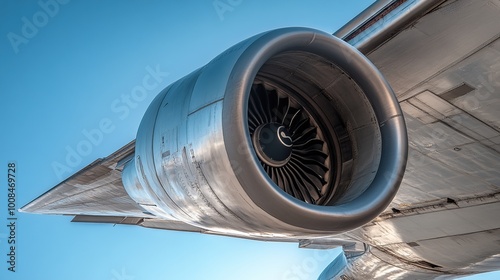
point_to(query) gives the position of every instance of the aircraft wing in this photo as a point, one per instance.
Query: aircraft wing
(442, 59)
(95, 194)
(191, 167)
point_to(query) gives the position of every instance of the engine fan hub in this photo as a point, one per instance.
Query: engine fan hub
(273, 144)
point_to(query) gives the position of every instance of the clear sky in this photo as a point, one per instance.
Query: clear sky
(64, 67)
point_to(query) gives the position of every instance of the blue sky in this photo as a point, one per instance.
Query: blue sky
(64, 67)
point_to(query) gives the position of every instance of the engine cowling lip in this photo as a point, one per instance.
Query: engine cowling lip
(252, 177)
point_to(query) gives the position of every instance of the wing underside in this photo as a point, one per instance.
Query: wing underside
(96, 194)
(442, 59)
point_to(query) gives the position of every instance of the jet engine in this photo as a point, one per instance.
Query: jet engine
(291, 132)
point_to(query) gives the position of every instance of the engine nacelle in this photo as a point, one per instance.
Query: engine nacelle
(291, 132)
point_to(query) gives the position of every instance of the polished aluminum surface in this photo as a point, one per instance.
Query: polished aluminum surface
(194, 161)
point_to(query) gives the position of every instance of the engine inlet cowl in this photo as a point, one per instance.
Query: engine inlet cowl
(291, 132)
